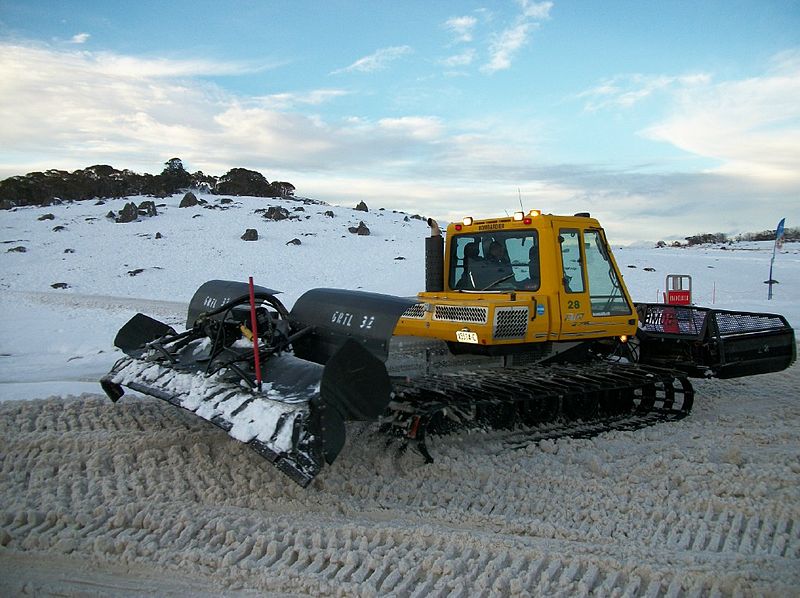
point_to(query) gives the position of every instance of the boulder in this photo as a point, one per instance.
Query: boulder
(148, 208)
(189, 200)
(18, 249)
(361, 207)
(276, 213)
(59, 228)
(158, 235)
(329, 213)
(46, 217)
(130, 213)
(294, 242)
(361, 229)
(60, 285)
(250, 234)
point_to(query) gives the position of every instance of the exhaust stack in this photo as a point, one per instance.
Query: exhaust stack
(434, 259)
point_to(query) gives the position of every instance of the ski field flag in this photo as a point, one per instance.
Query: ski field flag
(780, 234)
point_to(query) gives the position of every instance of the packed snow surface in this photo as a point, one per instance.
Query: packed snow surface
(140, 497)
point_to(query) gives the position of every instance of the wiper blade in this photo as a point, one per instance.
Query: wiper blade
(498, 281)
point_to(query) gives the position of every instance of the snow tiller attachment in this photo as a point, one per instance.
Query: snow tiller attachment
(717, 343)
(282, 382)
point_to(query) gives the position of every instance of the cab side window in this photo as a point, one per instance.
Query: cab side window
(571, 260)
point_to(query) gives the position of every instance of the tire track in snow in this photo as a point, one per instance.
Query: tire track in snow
(145, 484)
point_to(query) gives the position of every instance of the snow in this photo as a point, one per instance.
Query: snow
(140, 497)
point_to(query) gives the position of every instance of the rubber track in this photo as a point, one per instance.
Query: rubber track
(655, 395)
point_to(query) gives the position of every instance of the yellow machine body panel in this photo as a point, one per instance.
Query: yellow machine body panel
(524, 279)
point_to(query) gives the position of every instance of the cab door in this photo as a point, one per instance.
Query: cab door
(574, 293)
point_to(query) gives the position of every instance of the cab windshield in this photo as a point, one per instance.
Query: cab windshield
(495, 261)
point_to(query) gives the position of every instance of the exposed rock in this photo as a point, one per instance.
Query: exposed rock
(406, 219)
(111, 215)
(18, 249)
(60, 285)
(294, 242)
(197, 216)
(189, 200)
(329, 213)
(250, 234)
(158, 235)
(299, 209)
(68, 250)
(129, 213)
(399, 257)
(631, 266)
(225, 200)
(418, 217)
(648, 269)
(58, 228)
(46, 217)
(276, 213)
(361, 207)
(100, 202)
(148, 208)
(361, 229)
(135, 272)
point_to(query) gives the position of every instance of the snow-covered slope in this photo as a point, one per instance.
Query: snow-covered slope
(140, 497)
(59, 341)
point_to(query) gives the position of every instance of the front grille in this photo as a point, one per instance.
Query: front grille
(416, 311)
(510, 322)
(461, 313)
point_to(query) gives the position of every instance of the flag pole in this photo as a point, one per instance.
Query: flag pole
(779, 232)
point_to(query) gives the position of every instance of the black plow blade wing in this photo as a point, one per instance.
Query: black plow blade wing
(277, 424)
(297, 420)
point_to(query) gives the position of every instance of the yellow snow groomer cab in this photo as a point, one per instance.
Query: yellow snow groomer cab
(500, 283)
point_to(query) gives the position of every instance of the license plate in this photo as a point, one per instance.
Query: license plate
(462, 336)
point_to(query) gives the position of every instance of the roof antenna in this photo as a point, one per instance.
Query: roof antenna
(519, 193)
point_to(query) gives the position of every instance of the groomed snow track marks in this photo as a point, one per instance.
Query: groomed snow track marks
(655, 512)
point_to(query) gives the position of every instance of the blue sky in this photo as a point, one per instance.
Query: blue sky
(663, 119)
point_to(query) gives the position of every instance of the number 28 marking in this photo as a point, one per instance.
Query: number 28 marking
(573, 304)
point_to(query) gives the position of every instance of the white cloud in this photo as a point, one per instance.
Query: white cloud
(315, 97)
(505, 46)
(80, 38)
(536, 10)
(377, 61)
(416, 127)
(464, 58)
(751, 126)
(509, 41)
(461, 27)
(624, 91)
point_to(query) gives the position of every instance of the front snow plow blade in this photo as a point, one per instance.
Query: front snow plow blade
(296, 418)
(713, 342)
